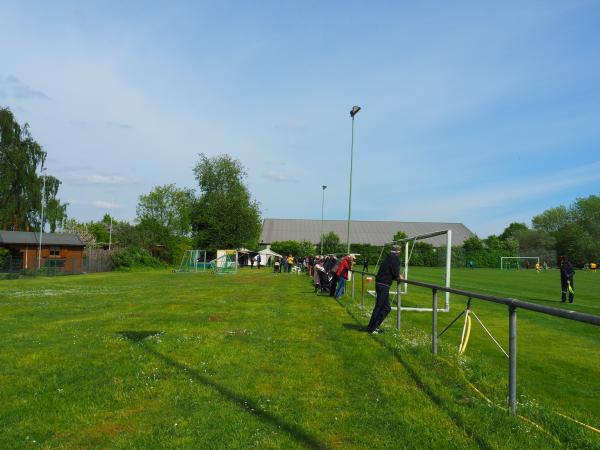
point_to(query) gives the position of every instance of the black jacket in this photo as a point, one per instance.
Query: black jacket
(389, 269)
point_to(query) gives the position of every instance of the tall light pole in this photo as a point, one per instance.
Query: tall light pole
(353, 112)
(42, 220)
(322, 210)
(110, 234)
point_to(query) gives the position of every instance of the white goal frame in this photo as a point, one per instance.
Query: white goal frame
(502, 258)
(407, 254)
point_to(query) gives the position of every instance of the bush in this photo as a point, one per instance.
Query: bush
(4, 254)
(132, 257)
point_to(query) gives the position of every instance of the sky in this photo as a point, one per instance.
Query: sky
(481, 112)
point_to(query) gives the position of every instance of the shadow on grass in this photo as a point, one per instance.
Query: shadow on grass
(439, 402)
(354, 327)
(244, 403)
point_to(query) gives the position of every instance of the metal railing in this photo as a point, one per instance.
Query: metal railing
(512, 305)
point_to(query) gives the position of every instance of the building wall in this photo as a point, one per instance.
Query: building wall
(73, 257)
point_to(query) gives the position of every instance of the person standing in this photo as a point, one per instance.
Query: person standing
(342, 275)
(258, 260)
(389, 271)
(566, 279)
(252, 262)
(366, 264)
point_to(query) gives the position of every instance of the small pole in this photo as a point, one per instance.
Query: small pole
(352, 275)
(434, 322)
(362, 290)
(399, 306)
(39, 265)
(512, 360)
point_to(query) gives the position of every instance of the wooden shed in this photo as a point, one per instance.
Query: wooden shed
(61, 251)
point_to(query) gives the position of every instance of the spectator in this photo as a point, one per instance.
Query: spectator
(389, 271)
(342, 274)
(258, 260)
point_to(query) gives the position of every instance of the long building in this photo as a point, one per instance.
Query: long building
(361, 231)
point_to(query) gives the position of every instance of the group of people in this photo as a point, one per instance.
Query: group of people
(284, 264)
(330, 274)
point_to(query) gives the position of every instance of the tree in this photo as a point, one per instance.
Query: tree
(551, 220)
(513, 229)
(473, 244)
(169, 207)
(331, 243)
(225, 215)
(20, 185)
(399, 236)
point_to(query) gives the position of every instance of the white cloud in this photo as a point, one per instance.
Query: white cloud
(104, 179)
(280, 177)
(105, 205)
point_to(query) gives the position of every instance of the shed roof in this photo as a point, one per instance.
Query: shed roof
(361, 231)
(31, 238)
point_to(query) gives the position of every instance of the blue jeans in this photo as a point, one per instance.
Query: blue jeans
(341, 287)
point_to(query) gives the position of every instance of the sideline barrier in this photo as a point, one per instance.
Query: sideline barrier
(512, 305)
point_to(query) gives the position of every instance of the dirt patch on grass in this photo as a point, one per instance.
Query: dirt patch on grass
(215, 318)
(107, 429)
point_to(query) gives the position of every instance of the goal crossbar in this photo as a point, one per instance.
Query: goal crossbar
(502, 258)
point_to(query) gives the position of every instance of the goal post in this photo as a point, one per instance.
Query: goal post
(508, 262)
(409, 243)
(193, 261)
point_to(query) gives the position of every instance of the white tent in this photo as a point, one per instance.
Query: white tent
(267, 256)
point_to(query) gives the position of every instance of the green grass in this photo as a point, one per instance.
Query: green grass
(256, 360)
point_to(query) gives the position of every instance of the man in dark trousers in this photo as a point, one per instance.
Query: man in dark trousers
(566, 279)
(389, 271)
(366, 264)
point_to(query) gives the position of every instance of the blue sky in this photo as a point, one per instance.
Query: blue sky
(477, 112)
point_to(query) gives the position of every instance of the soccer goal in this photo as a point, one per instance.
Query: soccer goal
(225, 263)
(193, 261)
(518, 262)
(409, 245)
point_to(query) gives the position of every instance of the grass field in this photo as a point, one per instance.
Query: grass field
(256, 360)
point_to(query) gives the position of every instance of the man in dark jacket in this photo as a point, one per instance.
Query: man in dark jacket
(566, 279)
(389, 271)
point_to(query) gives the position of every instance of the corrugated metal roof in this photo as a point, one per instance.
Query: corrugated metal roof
(361, 231)
(30, 238)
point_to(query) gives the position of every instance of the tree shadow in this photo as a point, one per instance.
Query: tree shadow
(139, 336)
(244, 403)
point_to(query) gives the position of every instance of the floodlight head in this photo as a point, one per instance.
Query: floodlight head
(324, 187)
(354, 111)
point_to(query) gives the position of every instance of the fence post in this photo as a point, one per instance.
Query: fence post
(399, 306)
(512, 360)
(352, 274)
(434, 322)
(362, 290)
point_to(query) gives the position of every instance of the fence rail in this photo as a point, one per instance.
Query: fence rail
(512, 304)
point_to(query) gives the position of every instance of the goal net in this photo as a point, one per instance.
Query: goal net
(518, 262)
(226, 262)
(194, 261)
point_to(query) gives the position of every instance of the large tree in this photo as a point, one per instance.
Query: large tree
(168, 206)
(20, 184)
(225, 215)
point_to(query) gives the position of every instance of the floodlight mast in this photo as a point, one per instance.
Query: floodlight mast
(322, 211)
(353, 112)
